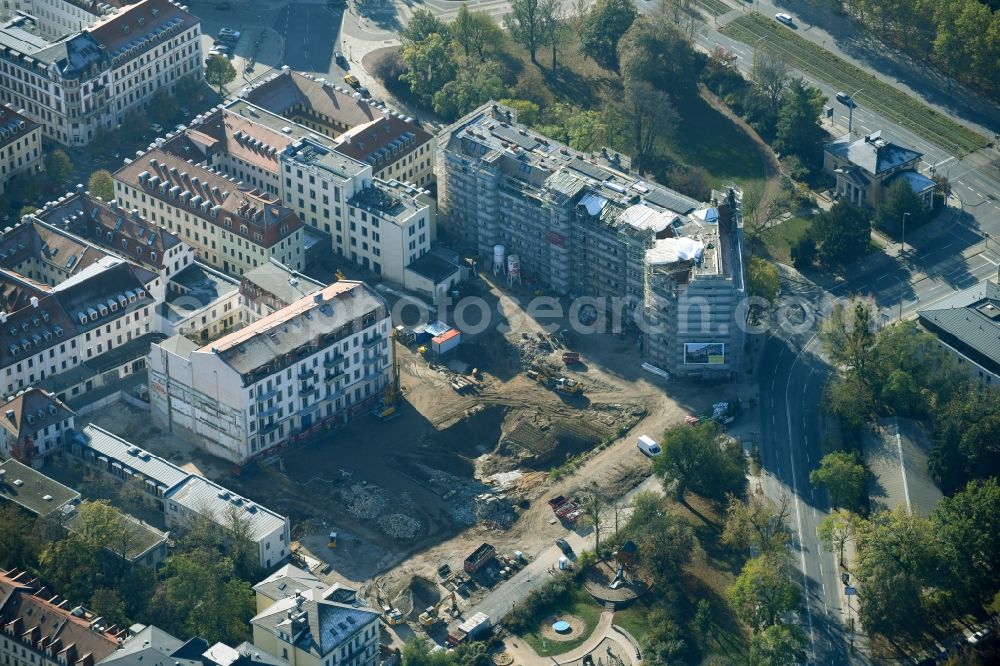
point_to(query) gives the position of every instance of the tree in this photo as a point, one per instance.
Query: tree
(524, 22)
(27, 210)
(101, 184)
(764, 281)
(475, 84)
(528, 112)
(58, 167)
(798, 131)
(836, 530)
(763, 210)
(418, 652)
(664, 539)
(593, 502)
(18, 547)
(968, 525)
(653, 50)
(219, 72)
(897, 201)
(429, 64)
(849, 337)
(422, 25)
(551, 26)
(649, 115)
(476, 33)
(898, 563)
(769, 76)
(701, 458)
(757, 524)
(844, 234)
(844, 477)
(703, 617)
(967, 436)
(851, 399)
(663, 641)
(804, 252)
(188, 90)
(764, 591)
(777, 645)
(106, 603)
(606, 23)
(586, 130)
(163, 106)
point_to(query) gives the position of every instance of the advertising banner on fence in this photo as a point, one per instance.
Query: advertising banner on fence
(707, 353)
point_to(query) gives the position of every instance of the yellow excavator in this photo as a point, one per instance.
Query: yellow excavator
(431, 616)
(388, 406)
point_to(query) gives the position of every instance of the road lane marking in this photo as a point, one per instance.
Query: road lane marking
(807, 456)
(772, 419)
(902, 466)
(989, 260)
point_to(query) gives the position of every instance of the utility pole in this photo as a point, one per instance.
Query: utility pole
(902, 238)
(850, 111)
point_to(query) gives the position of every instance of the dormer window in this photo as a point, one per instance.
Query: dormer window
(152, 257)
(126, 29)
(124, 243)
(243, 229)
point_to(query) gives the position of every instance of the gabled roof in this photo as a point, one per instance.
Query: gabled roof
(150, 647)
(31, 410)
(290, 92)
(135, 24)
(283, 583)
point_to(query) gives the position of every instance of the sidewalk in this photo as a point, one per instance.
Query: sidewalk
(523, 654)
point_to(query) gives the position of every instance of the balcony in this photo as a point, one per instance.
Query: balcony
(307, 374)
(331, 362)
(374, 340)
(334, 376)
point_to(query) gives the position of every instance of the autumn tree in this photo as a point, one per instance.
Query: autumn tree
(702, 459)
(758, 524)
(764, 591)
(101, 185)
(649, 114)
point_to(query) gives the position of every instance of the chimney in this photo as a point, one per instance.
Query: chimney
(3, 317)
(34, 301)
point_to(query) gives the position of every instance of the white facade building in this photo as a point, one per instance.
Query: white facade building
(325, 356)
(34, 422)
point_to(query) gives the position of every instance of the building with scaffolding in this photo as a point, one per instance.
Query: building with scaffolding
(585, 225)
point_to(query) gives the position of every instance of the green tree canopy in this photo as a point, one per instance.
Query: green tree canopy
(843, 233)
(475, 84)
(429, 64)
(648, 115)
(798, 130)
(836, 530)
(476, 33)
(655, 50)
(606, 23)
(899, 561)
(163, 106)
(764, 591)
(101, 184)
(967, 436)
(664, 539)
(219, 72)
(422, 25)
(524, 22)
(757, 525)
(844, 477)
(702, 459)
(899, 200)
(58, 167)
(764, 281)
(777, 645)
(968, 525)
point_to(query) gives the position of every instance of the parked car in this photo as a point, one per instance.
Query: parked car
(230, 33)
(649, 446)
(844, 99)
(564, 547)
(782, 17)
(365, 93)
(341, 60)
(156, 127)
(352, 81)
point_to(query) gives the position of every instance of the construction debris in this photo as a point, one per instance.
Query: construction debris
(400, 526)
(365, 501)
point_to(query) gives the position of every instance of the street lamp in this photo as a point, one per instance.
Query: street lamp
(850, 111)
(902, 238)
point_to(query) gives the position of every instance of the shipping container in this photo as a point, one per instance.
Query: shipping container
(447, 341)
(480, 558)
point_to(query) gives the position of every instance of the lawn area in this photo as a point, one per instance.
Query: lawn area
(778, 241)
(708, 139)
(583, 606)
(875, 94)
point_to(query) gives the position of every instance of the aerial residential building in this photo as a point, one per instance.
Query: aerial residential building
(865, 168)
(57, 18)
(231, 227)
(967, 324)
(34, 492)
(271, 287)
(34, 424)
(70, 636)
(326, 356)
(20, 145)
(283, 583)
(309, 630)
(67, 329)
(151, 645)
(180, 494)
(584, 225)
(86, 81)
(395, 146)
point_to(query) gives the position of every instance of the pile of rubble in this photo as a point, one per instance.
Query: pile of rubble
(494, 512)
(365, 501)
(400, 526)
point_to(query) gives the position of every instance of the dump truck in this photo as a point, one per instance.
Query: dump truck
(566, 510)
(475, 627)
(570, 358)
(567, 385)
(480, 558)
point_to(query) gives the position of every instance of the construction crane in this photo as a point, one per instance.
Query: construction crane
(388, 406)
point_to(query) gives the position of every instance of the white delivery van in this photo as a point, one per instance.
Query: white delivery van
(649, 446)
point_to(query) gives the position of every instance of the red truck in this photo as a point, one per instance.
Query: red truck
(566, 510)
(570, 358)
(480, 558)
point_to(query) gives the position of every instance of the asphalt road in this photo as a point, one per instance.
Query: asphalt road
(311, 33)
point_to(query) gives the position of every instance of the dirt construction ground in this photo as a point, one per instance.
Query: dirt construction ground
(456, 469)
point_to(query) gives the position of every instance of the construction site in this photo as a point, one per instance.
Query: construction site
(480, 439)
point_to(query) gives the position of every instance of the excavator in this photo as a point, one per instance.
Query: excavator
(431, 616)
(388, 406)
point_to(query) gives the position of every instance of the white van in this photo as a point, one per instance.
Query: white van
(649, 446)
